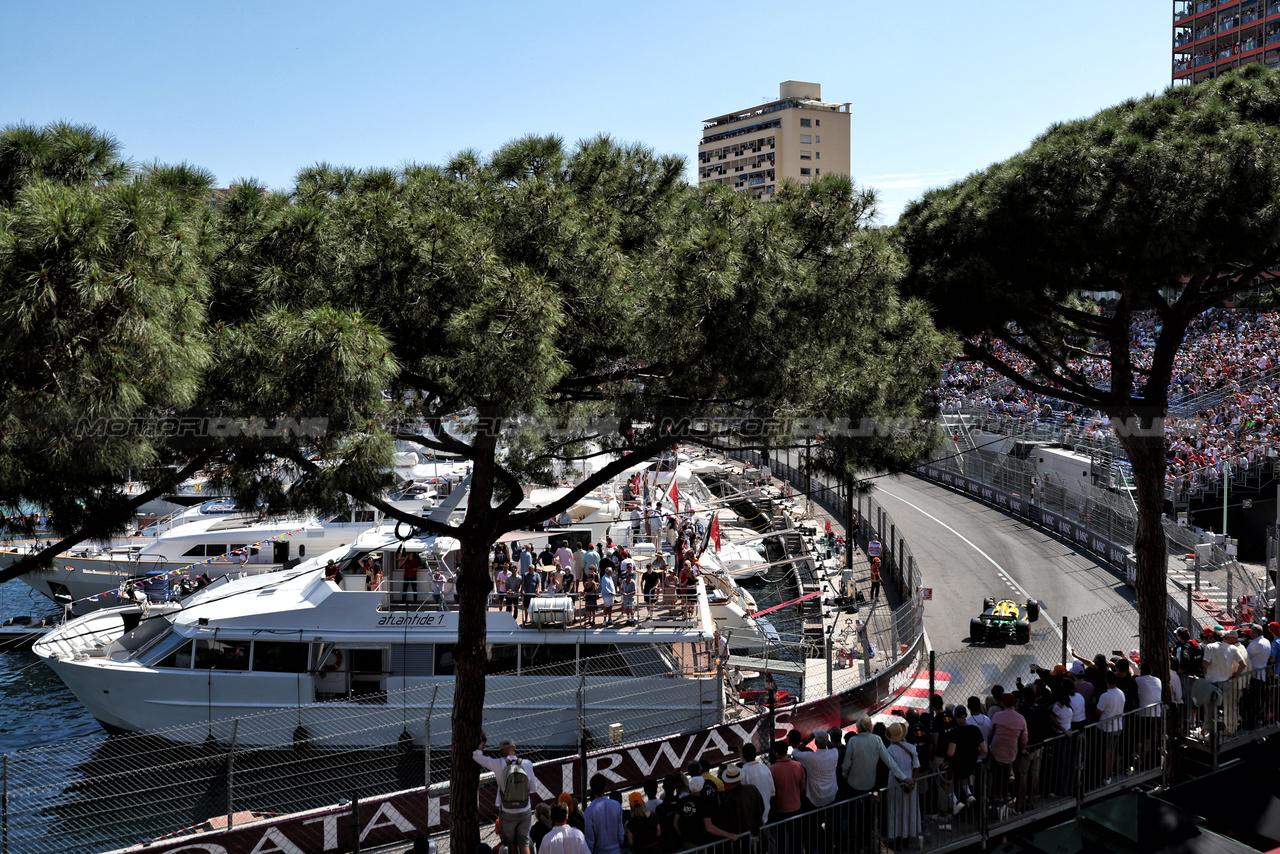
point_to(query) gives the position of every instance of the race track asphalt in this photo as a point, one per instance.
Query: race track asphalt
(967, 550)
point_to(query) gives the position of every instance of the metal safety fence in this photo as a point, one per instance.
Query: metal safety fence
(1108, 514)
(888, 628)
(93, 793)
(979, 668)
(948, 803)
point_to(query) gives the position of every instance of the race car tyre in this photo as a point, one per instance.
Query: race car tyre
(987, 603)
(1022, 631)
(1033, 610)
(977, 629)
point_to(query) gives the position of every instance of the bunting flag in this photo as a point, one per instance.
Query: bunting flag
(715, 531)
(674, 494)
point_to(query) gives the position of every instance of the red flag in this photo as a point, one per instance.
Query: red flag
(715, 531)
(674, 493)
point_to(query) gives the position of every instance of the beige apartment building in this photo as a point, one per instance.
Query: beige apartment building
(799, 136)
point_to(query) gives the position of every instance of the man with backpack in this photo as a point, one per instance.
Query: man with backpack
(514, 777)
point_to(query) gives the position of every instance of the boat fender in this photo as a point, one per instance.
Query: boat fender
(301, 738)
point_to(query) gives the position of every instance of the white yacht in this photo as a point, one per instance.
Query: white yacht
(215, 541)
(318, 648)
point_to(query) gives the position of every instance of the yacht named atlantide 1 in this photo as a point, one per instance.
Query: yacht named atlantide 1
(317, 644)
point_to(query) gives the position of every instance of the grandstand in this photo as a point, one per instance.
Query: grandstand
(1223, 429)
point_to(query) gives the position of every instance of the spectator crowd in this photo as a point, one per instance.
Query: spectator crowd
(1229, 362)
(1092, 723)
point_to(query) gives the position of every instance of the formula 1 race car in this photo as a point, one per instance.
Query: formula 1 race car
(1004, 620)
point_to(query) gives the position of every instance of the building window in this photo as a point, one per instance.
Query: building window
(817, 171)
(818, 122)
(804, 170)
(817, 155)
(817, 139)
(804, 155)
(804, 123)
(806, 139)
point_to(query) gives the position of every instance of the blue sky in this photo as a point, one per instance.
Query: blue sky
(938, 89)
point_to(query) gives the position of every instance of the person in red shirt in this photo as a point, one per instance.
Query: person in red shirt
(788, 783)
(1008, 740)
(412, 563)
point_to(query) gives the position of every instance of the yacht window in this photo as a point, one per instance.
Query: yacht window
(280, 657)
(549, 659)
(194, 551)
(173, 650)
(501, 659)
(365, 516)
(366, 660)
(603, 660)
(340, 518)
(444, 659)
(221, 655)
(413, 659)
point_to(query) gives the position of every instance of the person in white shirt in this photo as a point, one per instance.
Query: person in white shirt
(514, 823)
(1150, 708)
(1110, 708)
(979, 718)
(1229, 659)
(756, 773)
(820, 769)
(1259, 656)
(563, 839)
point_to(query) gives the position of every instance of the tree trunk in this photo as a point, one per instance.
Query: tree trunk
(468, 655)
(1146, 451)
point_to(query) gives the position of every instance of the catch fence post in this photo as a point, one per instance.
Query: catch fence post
(231, 774)
(426, 757)
(582, 740)
(933, 665)
(4, 819)
(355, 824)
(828, 657)
(1064, 640)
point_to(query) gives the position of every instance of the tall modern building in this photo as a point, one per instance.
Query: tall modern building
(1213, 36)
(799, 136)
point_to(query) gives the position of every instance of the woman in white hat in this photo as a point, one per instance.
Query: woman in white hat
(903, 804)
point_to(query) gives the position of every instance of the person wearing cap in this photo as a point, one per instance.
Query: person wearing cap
(742, 805)
(1258, 655)
(820, 767)
(514, 822)
(696, 821)
(902, 804)
(605, 832)
(575, 814)
(1224, 660)
(642, 828)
